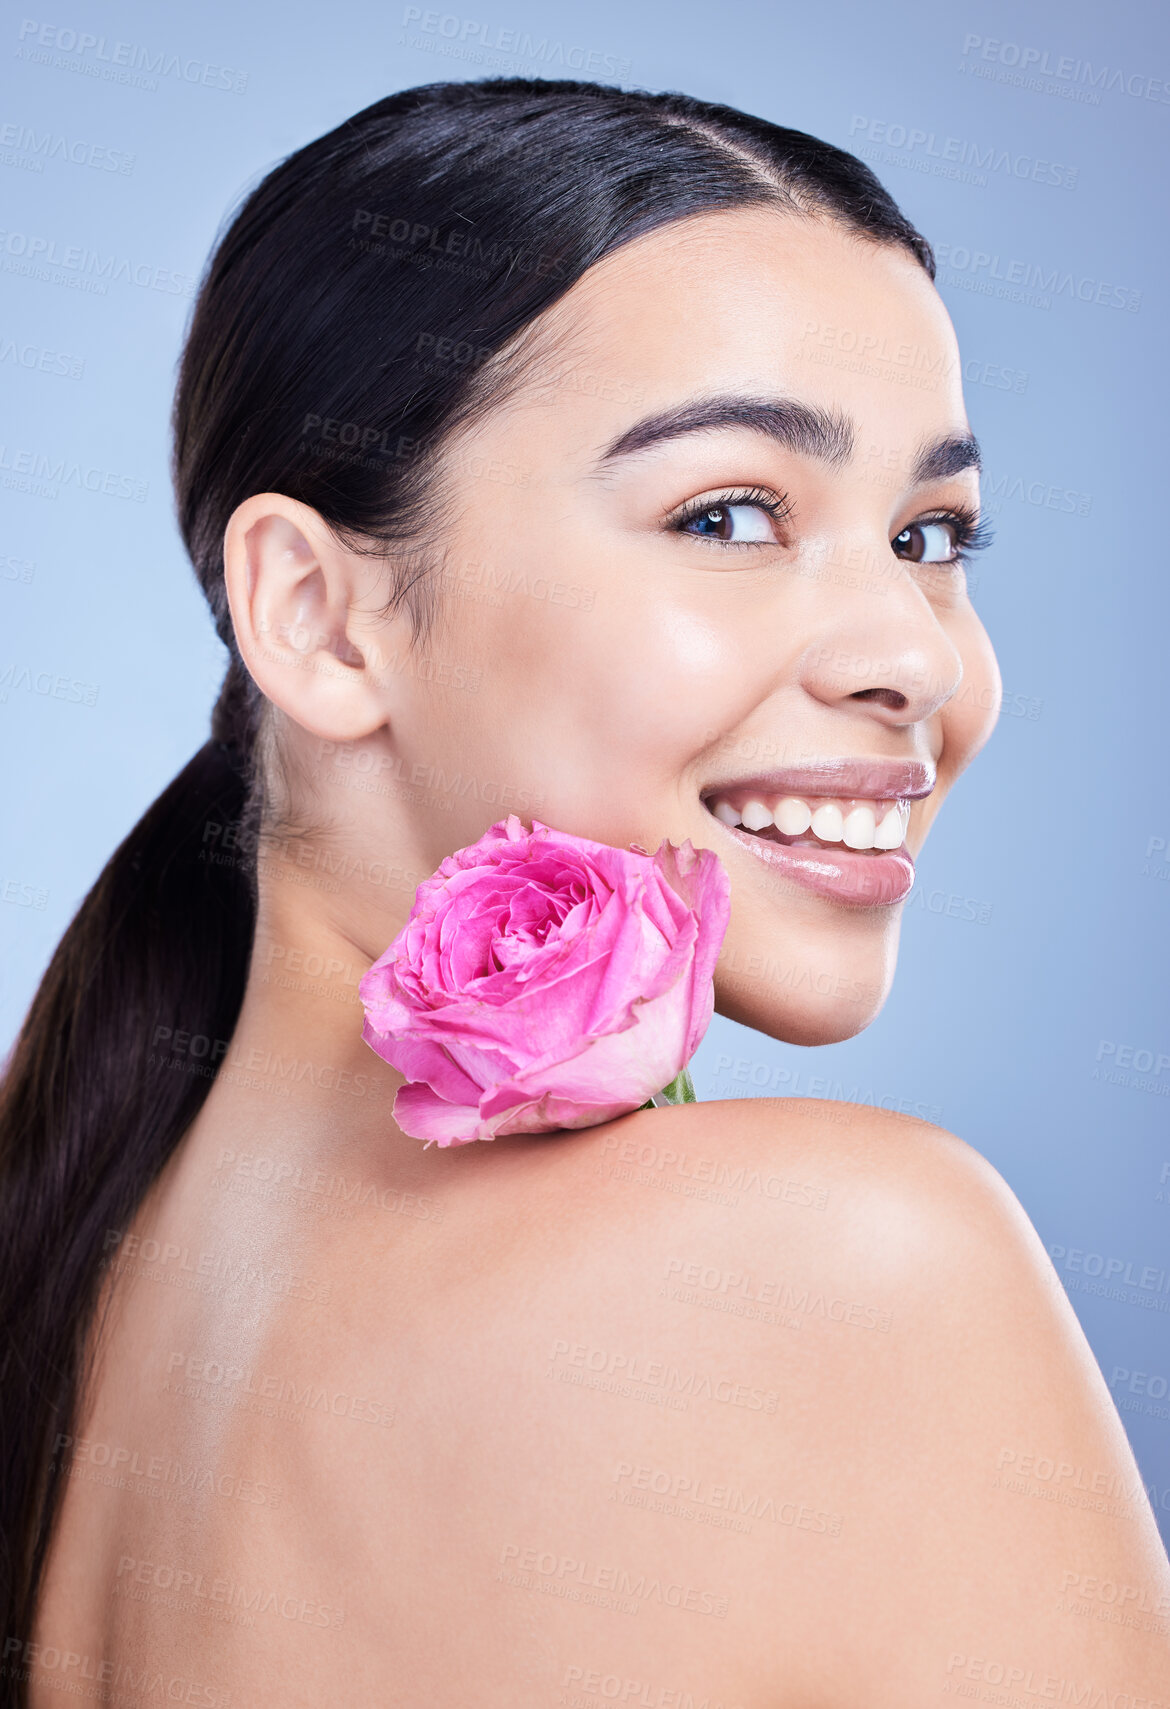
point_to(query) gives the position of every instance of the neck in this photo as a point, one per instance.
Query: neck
(297, 1078)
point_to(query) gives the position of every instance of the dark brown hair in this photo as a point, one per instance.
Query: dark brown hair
(456, 212)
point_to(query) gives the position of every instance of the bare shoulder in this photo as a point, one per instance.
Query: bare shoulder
(942, 1399)
(810, 1358)
(756, 1195)
(895, 1190)
(902, 1218)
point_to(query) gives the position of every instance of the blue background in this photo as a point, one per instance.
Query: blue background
(1034, 944)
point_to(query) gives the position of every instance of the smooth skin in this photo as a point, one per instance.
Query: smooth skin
(773, 1403)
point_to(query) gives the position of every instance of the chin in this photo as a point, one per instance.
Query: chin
(805, 992)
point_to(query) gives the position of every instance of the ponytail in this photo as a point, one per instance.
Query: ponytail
(313, 367)
(88, 1116)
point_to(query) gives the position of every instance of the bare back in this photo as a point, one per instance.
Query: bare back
(642, 1410)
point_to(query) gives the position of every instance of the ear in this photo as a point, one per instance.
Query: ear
(303, 608)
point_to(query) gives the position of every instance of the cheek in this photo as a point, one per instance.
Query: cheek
(695, 679)
(642, 672)
(680, 672)
(971, 715)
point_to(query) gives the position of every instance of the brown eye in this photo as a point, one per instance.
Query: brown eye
(927, 543)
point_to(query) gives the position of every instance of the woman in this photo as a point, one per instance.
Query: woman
(513, 472)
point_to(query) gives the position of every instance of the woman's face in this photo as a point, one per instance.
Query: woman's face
(702, 569)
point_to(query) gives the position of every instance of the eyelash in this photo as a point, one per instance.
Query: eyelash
(972, 533)
(778, 507)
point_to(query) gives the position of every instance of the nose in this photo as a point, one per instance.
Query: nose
(880, 646)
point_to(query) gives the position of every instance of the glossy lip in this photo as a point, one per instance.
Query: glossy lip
(864, 878)
(861, 780)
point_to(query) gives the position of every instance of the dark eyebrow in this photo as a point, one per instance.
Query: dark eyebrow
(799, 427)
(827, 435)
(946, 457)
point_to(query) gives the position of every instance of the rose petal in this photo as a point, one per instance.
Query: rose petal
(545, 980)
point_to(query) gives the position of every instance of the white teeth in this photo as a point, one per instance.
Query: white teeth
(891, 833)
(793, 817)
(756, 816)
(722, 810)
(857, 826)
(858, 829)
(828, 823)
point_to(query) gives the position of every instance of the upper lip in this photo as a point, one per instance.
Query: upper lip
(859, 780)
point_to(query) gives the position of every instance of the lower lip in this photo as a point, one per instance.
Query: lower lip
(866, 879)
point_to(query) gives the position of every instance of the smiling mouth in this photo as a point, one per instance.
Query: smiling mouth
(838, 829)
(814, 821)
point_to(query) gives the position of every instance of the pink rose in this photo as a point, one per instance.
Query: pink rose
(545, 981)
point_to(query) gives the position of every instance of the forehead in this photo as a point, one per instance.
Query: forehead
(758, 300)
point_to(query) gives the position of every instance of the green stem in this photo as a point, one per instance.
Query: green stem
(680, 1091)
